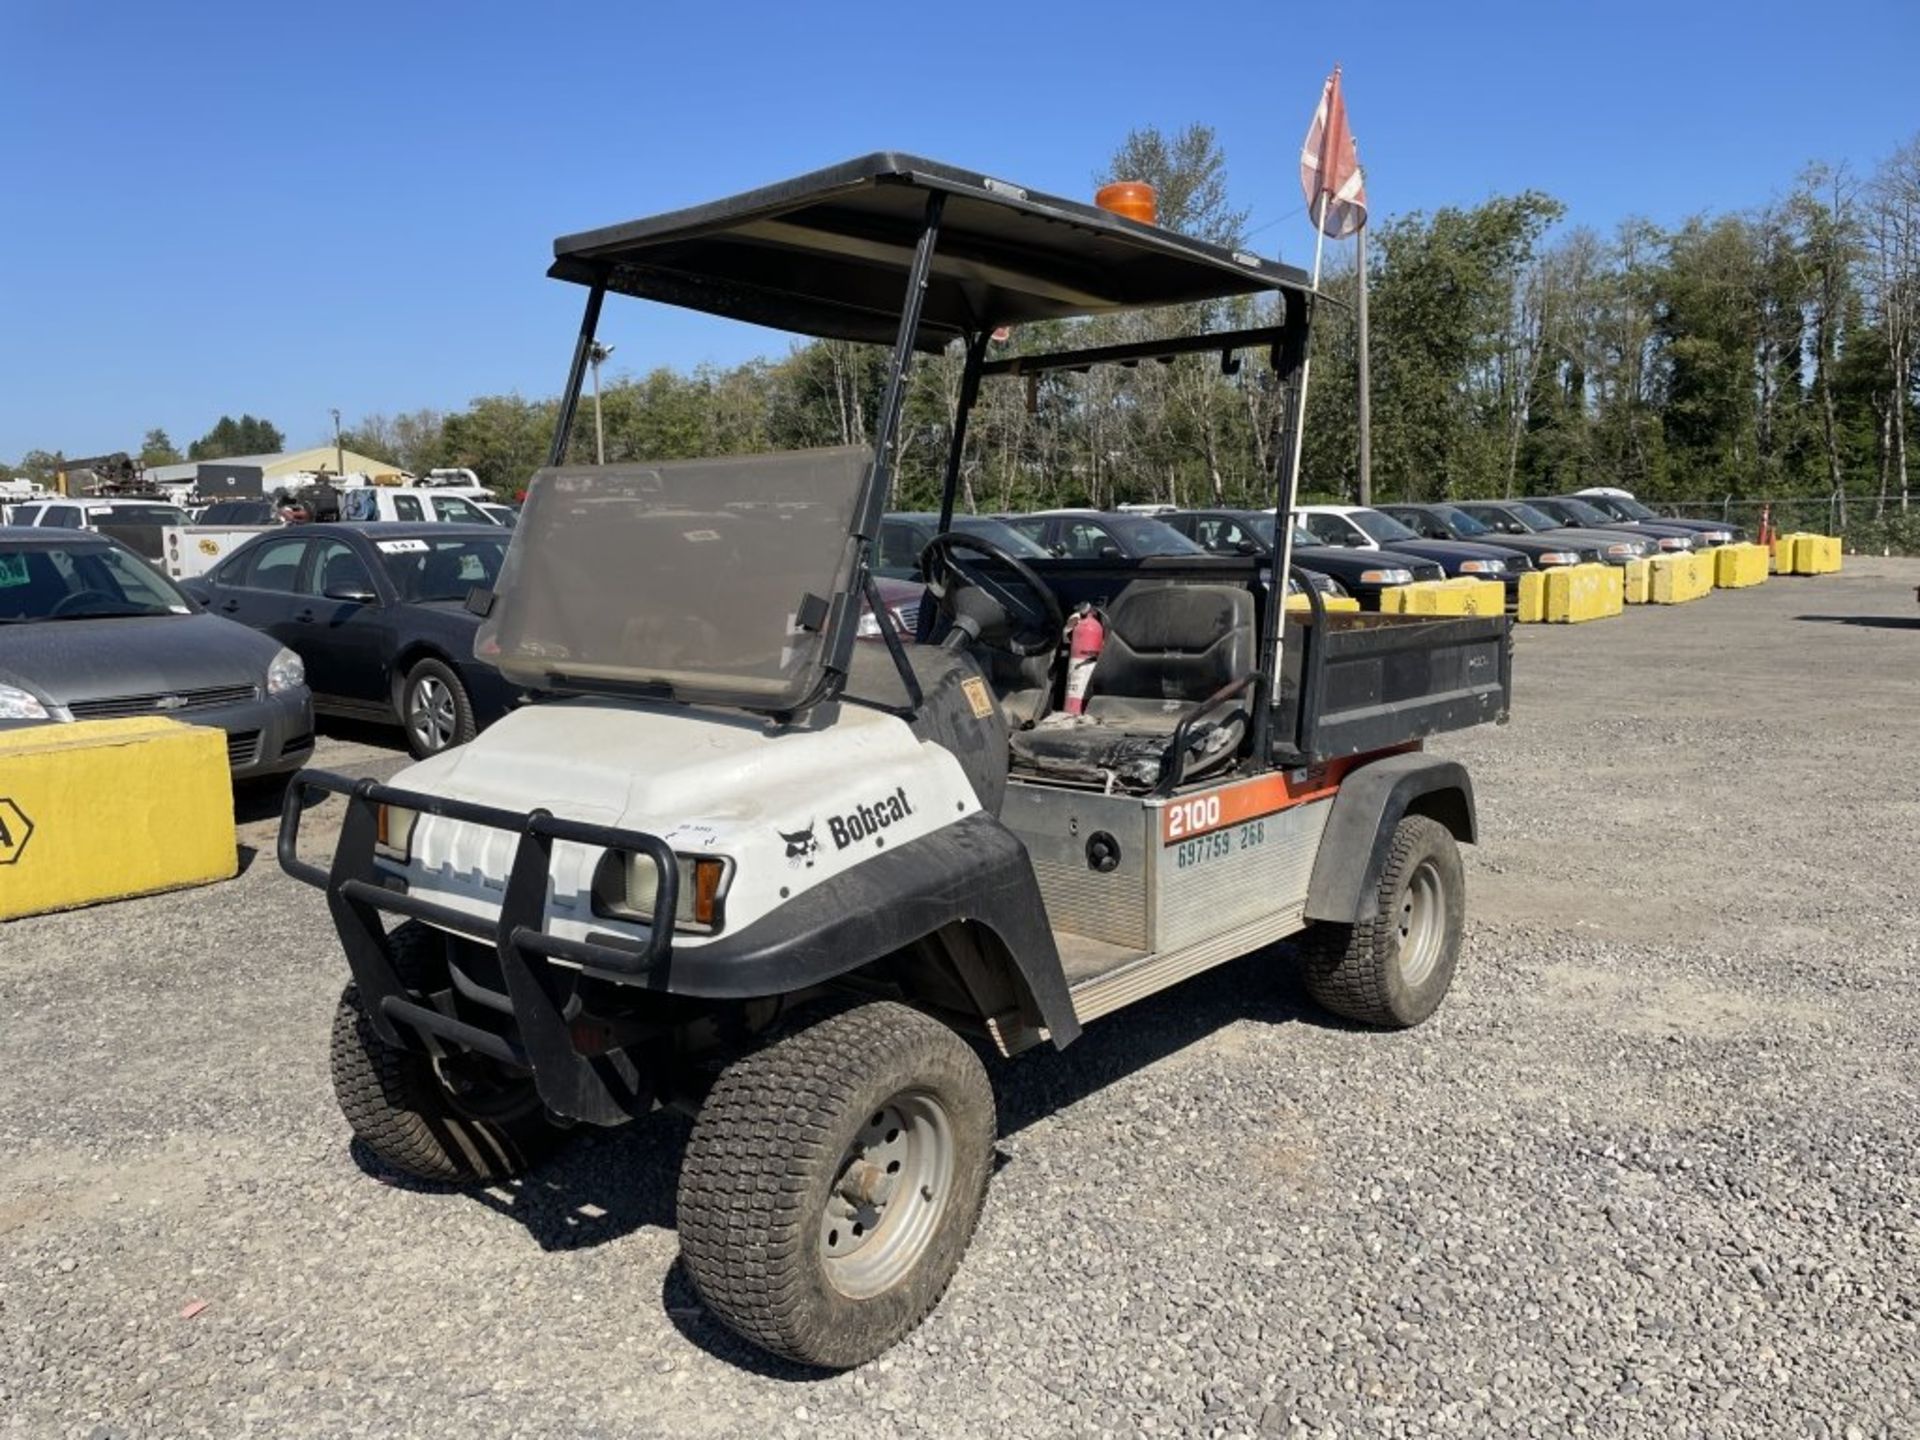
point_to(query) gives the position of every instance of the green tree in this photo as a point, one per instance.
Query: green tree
(157, 449)
(245, 436)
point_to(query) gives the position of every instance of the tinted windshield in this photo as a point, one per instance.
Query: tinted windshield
(1462, 524)
(81, 583)
(998, 532)
(1632, 509)
(436, 569)
(238, 512)
(1578, 512)
(1150, 537)
(136, 515)
(1382, 528)
(709, 579)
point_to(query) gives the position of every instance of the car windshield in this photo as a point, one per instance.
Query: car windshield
(238, 512)
(1632, 509)
(1467, 527)
(1383, 529)
(703, 579)
(437, 569)
(1142, 536)
(81, 582)
(136, 515)
(998, 532)
(1578, 512)
(1532, 518)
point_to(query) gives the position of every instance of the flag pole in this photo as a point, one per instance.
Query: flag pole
(1283, 542)
(1363, 367)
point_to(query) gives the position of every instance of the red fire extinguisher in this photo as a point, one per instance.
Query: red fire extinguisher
(1084, 638)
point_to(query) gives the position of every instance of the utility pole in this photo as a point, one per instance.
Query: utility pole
(595, 355)
(339, 455)
(1361, 368)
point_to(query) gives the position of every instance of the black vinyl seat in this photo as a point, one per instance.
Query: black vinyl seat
(1168, 647)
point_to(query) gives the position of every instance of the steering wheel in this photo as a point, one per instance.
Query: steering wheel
(72, 602)
(1034, 615)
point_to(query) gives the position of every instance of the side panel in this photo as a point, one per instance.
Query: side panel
(1234, 875)
(1373, 799)
(1061, 830)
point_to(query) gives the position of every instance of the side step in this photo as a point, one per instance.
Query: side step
(1140, 978)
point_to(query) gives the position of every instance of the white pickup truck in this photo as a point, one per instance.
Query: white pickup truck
(190, 550)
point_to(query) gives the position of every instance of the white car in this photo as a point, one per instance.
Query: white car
(1359, 527)
(393, 502)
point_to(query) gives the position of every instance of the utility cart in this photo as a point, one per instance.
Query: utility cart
(736, 862)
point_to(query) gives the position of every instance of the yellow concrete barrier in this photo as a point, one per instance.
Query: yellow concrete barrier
(1462, 595)
(1737, 566)
(1335, 604)
(107, 808)
(1575, 594)
(1637, 582)
(1533, 597)
(1680, 578)
(1802, 553)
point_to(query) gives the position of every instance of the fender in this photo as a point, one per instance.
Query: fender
(972, 870)
(1372, 800)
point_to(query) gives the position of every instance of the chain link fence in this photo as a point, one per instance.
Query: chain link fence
(1896, 532)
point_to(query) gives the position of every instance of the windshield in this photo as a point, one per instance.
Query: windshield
(703, 579)
(1532, 518)
(1578, 512)
(998, 532)
(1466, 526)
(1381, 528)
(136, 515)
(81, 583)
(1632, 509)
(436, 569)
(1150, 537)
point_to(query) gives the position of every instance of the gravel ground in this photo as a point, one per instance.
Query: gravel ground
(1652, 1170)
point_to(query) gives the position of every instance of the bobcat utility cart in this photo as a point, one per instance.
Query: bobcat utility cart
(738, 861)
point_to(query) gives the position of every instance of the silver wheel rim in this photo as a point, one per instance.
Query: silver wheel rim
(888, 1195)
(430, 713)
(1422, 923)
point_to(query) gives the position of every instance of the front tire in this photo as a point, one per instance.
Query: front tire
(1394, 967)
(833, 1181)
(454, 1120)
(435, 709)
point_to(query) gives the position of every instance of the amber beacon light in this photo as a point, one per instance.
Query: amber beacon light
(1132, 198)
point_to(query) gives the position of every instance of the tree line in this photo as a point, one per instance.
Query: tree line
(1768, 353)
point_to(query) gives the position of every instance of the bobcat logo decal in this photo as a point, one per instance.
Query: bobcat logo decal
(801, 846)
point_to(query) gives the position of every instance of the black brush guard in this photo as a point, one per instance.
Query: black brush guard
(602, 1089)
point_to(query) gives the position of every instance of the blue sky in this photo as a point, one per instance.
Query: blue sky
(276, 209)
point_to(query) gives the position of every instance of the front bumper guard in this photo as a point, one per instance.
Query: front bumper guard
(603, 1088)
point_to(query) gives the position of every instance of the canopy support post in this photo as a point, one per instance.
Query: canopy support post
(969, 393)
(576, 374)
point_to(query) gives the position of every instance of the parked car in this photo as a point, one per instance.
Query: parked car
(1516, 518)
(89, 632)
(392, 502)
(1361, 574)
(1620, 505)
(904, 535)
(1450, 522)
(136, 523)
(1101, 535)
(507, 515)
(378, 613)
(1667, 539)
(1360, 527)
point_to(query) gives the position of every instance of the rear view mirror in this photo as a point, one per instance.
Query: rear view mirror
(1110, 552)
(1245, 547)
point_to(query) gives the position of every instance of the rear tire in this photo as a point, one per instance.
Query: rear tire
(401, 1105)
(833, 1181)
(435, 710)
(1394, 967)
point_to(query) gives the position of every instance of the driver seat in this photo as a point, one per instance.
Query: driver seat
(1168, 647)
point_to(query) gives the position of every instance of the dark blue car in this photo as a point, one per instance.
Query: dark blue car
(378, 613)
(1361, 528)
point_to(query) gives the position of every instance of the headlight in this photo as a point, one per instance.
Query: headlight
(1720, 537)
(1559, 557)
(393, 831)
(1630, 549)
(1386, 577)
(287, 672)
(21, 705)
(624, 887)
(1675, 542)
(1483, 567)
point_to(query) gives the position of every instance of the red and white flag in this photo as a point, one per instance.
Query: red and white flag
(1330, 175)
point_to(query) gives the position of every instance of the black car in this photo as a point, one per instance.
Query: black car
(1516, 519)
(904, 535)
(89, 631)
(378, 613)
(1361, 527)
(1101, 535)
(1450, 522)
(1619, 506)
(1667, 539)
(1363, 574)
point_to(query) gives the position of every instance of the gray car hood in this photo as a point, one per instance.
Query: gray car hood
(67, 660)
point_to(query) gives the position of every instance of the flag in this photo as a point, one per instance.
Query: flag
(1330, 175)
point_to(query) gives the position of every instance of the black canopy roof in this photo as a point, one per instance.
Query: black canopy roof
(827, 254)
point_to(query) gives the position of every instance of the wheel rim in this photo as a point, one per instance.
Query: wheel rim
(483, 1090)
(888, 1195)
(430, 713)
(1422, 923)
